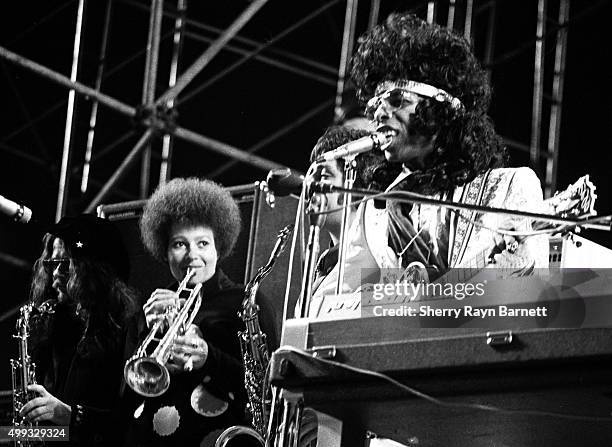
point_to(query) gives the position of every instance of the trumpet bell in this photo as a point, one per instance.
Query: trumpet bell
(145, 372)
(147, 376)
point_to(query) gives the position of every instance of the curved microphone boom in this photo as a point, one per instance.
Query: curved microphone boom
(282, 182)
(376, 140)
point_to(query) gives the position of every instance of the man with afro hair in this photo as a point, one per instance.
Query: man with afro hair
(423, 86)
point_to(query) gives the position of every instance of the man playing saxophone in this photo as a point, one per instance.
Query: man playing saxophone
(78, 346)
(191, 224)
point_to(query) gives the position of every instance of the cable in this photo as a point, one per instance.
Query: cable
(350, 204)
(439, 402)
(556, 229)
(411, 195)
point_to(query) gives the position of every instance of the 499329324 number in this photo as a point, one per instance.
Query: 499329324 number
(37, 433)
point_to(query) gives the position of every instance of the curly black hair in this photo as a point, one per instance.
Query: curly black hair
(192, 201)
(373, 171)
(408, 48)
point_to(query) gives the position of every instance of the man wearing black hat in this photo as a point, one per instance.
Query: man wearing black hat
(424, 86)
(79, 347)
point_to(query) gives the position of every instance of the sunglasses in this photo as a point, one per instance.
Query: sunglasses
(393, 100)
(52, 264)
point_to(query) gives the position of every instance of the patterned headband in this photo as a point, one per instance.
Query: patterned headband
(420, 88)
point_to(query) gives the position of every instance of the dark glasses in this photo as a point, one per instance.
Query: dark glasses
(393, 99)
(52, 264)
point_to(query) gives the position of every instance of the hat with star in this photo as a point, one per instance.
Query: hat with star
(89, 236)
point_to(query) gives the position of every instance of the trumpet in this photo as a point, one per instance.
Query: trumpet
(147, 374)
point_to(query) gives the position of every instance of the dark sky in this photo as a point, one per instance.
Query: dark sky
(248, 105)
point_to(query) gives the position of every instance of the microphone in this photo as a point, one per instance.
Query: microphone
(282, 182)
(377, 140)
(19, 213)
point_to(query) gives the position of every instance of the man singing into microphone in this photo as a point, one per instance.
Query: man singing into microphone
(423, 85)
(372, 172)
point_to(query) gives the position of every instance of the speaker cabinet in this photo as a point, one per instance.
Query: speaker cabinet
(260, 227)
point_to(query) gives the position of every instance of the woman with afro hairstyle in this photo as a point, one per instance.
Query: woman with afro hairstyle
(423, 86)
(193, 224)
(78, 342)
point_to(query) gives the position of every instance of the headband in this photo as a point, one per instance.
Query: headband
(420, 88)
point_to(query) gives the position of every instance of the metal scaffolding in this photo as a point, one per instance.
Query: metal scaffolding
(155, 113)
(541, 108)
(67, 148)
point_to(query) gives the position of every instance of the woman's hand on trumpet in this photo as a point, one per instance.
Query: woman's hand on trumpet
(189, 352)
(158, 304)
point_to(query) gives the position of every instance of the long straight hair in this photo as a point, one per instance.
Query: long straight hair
(104, 302)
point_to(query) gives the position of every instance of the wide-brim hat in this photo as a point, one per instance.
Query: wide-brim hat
(89, 236)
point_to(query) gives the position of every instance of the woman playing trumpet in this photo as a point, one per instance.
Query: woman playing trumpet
(191, 224)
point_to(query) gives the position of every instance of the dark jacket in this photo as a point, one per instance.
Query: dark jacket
(82, 370)
(201, 403)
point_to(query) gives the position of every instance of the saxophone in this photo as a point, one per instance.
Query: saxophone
(23, 370)
(255, 354)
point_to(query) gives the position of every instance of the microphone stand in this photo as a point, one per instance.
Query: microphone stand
(410, 197)
(347, 188)
(317, 203)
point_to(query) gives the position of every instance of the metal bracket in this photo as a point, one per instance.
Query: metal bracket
(323, 352)
(502, 338)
